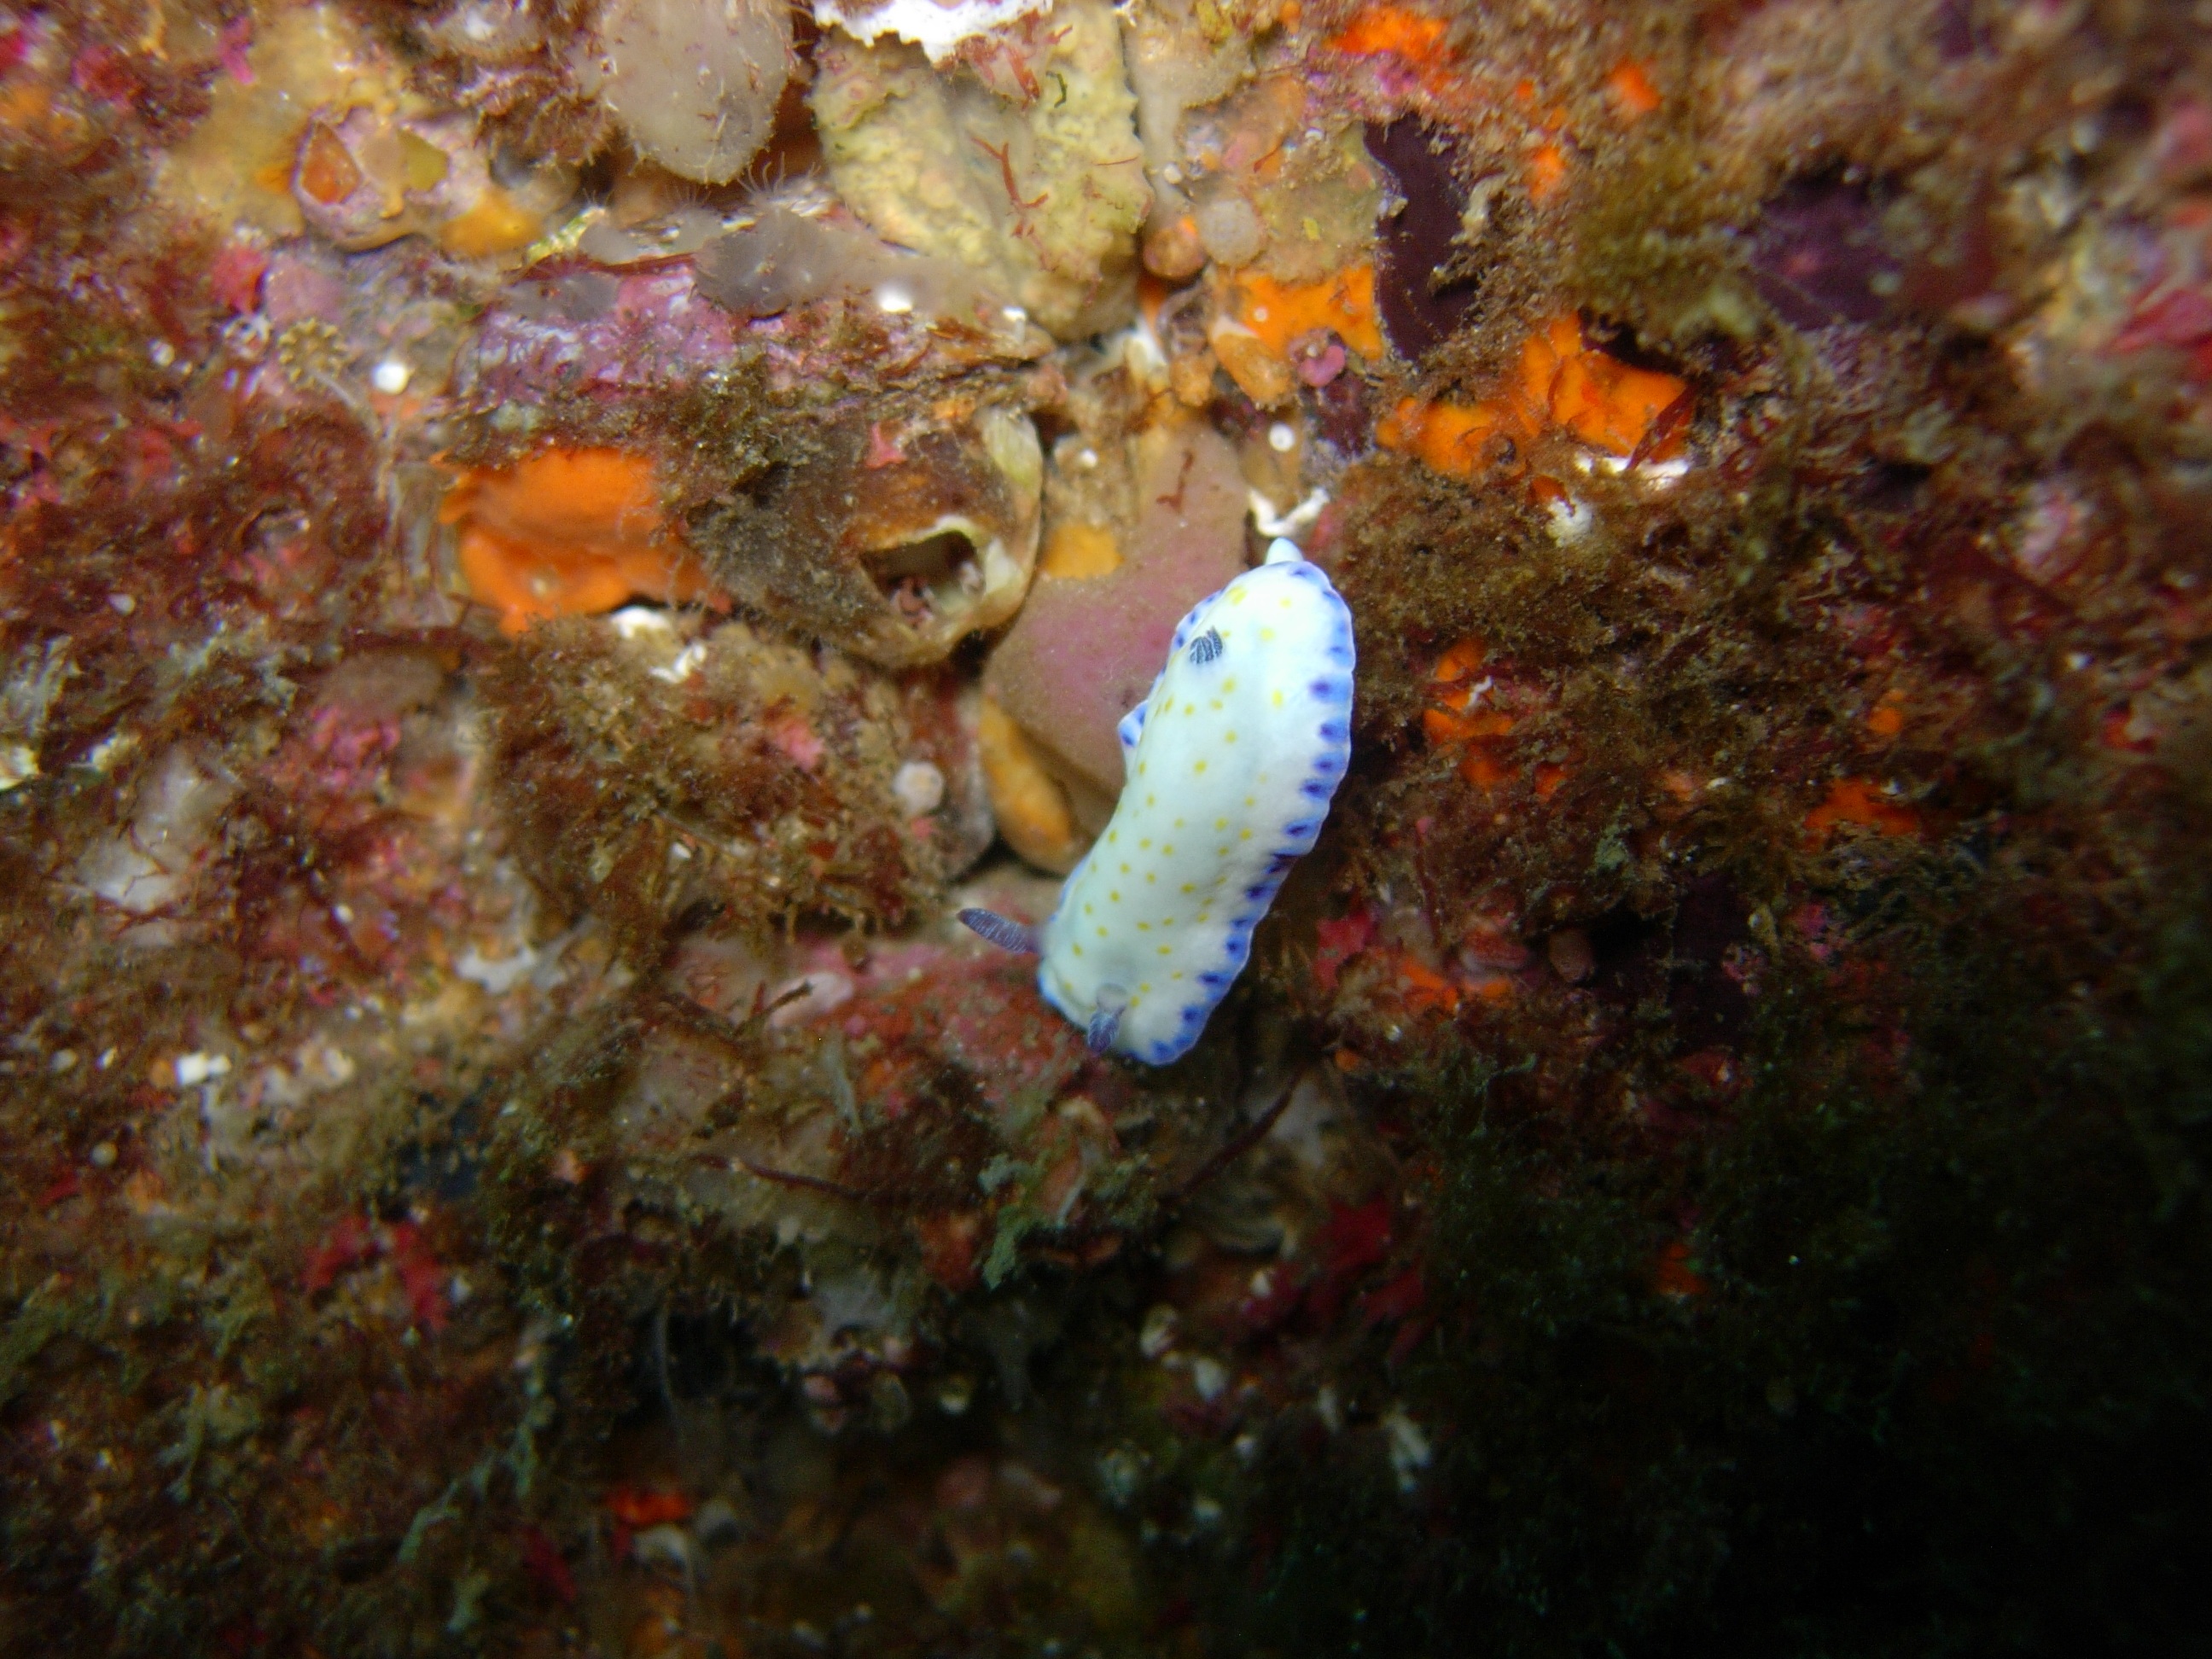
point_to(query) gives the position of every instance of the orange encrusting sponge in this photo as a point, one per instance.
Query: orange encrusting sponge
(1281, 312)
(1397, 30)
(569, 533)
(1633, 94)
(1860, 804)
(1456, 719)
(1602, 400)
(1608, 404)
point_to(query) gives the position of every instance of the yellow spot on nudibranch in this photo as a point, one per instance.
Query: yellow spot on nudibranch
(1144, 926)
(1115, 897)
(1221, 823)
(1200, 766)
(1075, 949)
(1146, 842)
(1166, 951)
(1279, 698)
(1266, 634)
(1101, 932)
(1228, 737)
(1236, 596)
(1190, 887)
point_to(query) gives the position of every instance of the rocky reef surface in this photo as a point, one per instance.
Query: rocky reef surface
(550, 547)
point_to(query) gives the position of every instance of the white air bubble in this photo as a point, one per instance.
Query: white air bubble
(391, 377)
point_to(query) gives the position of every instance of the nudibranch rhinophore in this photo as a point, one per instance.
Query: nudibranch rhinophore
(1230, 762)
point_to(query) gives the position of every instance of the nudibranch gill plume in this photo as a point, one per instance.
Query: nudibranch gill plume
(1229, 764)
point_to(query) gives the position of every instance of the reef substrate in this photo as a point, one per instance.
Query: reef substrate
(550, 548)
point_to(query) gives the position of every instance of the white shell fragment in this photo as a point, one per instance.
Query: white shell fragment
(937, 29)
(920, 787)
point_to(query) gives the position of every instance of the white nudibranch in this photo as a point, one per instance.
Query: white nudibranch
(1229, 764)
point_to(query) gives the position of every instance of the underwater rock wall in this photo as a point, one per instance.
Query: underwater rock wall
(548, 550)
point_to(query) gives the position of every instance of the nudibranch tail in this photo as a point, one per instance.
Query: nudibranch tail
(1106, 1018)
(1231, 763)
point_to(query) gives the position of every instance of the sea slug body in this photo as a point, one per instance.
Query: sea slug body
(1232, 763)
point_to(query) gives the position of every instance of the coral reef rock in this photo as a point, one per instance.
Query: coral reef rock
(695, 87)
(1023, 163)
(549, 548)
